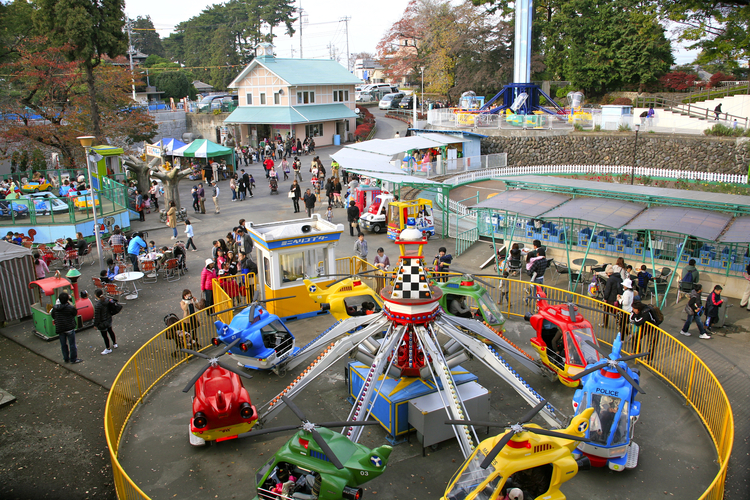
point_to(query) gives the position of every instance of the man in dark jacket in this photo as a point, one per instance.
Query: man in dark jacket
(538, 266)
(64, 314)
(103, 320)
(310, 200)
(643, 314)
(352, 216)
(612, 289)
(694, 309)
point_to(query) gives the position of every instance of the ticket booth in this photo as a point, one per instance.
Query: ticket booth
(289, 251)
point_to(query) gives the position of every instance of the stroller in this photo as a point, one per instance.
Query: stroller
(183, 339)
(180, 253)
(273, 183)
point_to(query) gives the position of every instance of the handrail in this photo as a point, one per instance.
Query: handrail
(672, 361)
(687, 109)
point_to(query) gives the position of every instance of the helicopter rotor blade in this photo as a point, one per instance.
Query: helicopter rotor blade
(598, 349)
(348, 276)
(532, 413)
(475, 423)
(195, 379)
(228, 346)
(497, 449)
(327, 449)
(633, 356)
(596, 366)
(195, 353)
(348, 423)
(474, 277)
(276, 298)
(545, 432)
(295, 409)
(236, 370)
(630, 380)
(260, 432)
(227, 310)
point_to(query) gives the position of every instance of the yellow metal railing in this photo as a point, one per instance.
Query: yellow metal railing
(670, 360)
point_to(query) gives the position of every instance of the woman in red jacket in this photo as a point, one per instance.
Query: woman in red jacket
(207, 276)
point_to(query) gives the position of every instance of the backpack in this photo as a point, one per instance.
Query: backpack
(114, 307)
(658, 315)
(688, 278)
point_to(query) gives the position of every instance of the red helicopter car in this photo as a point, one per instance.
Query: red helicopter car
(222, 409)
(561, 335)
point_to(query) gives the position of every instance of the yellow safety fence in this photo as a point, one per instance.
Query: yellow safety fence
(670, 360)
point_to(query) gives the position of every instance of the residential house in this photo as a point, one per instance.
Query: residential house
(302, 97)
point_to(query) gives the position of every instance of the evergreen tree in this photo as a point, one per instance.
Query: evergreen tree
(145, 38)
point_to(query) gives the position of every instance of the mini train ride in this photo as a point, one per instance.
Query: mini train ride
(222, 408)
(47, 291)
(526, 457)
(609, 389)
(561, 338)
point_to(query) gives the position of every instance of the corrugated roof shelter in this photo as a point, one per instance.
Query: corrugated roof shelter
(738, 231)
(16, 272)
(528, 203)
(609, 213)
(702, 224)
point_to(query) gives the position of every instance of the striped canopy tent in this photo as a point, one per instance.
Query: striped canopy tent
(16, 272)
(170, 145)
(203, 148)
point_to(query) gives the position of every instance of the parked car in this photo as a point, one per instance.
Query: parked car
(225, 103)
(212, 102)
(44, 203)
(11, 208)
(365, 96)
(390, 101)
(408, 102)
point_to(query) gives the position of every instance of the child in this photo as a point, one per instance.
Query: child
(713, 303)
(189, 233)
(151, 247)
(329, 214)
(643, 278)
(443, 261)
(285, 168)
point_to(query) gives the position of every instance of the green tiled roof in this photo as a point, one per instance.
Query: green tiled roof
(303, 71)
(285, 114)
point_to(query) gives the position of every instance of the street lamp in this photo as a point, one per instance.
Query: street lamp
(635, 149)
(422, 101)
(86, 141)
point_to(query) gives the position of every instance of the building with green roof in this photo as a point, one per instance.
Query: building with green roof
(302, 97)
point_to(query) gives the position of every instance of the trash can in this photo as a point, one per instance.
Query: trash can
(337, 140)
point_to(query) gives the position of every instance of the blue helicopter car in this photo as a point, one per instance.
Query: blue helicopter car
(610, 387)
(264, 340)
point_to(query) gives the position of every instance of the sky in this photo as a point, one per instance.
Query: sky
(323, 25)
(369, 21)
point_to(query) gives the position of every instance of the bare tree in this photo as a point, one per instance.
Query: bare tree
(170, 178)
(141, 170)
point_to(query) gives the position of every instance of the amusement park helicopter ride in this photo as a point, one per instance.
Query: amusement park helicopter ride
(609, 388)
(401, 341)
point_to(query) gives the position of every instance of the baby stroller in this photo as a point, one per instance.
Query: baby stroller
(180, 253)
(273, 183)
(183, 339)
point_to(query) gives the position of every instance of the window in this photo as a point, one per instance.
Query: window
(292, 266)
(340, 96)
(314, 130)
(262, 98)
(305, 97)
(276, 98)
(249, 99)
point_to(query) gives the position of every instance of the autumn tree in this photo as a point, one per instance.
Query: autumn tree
(677, 80)
(89, 30)
(49, 96)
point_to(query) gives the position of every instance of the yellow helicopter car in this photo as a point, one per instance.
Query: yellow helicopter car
(346, 297)
(525, 458)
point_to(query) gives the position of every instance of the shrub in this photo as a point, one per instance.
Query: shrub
(720, 130)
(623, 101)
(624, 128)
(719, 77)
(597, 128)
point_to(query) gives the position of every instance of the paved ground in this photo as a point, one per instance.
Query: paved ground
(37, 378)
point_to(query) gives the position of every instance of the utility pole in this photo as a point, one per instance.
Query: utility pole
(131, 51)
(301, 15)
(346, 20)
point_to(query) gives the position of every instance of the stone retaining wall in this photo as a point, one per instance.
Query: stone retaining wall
(683, 152)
